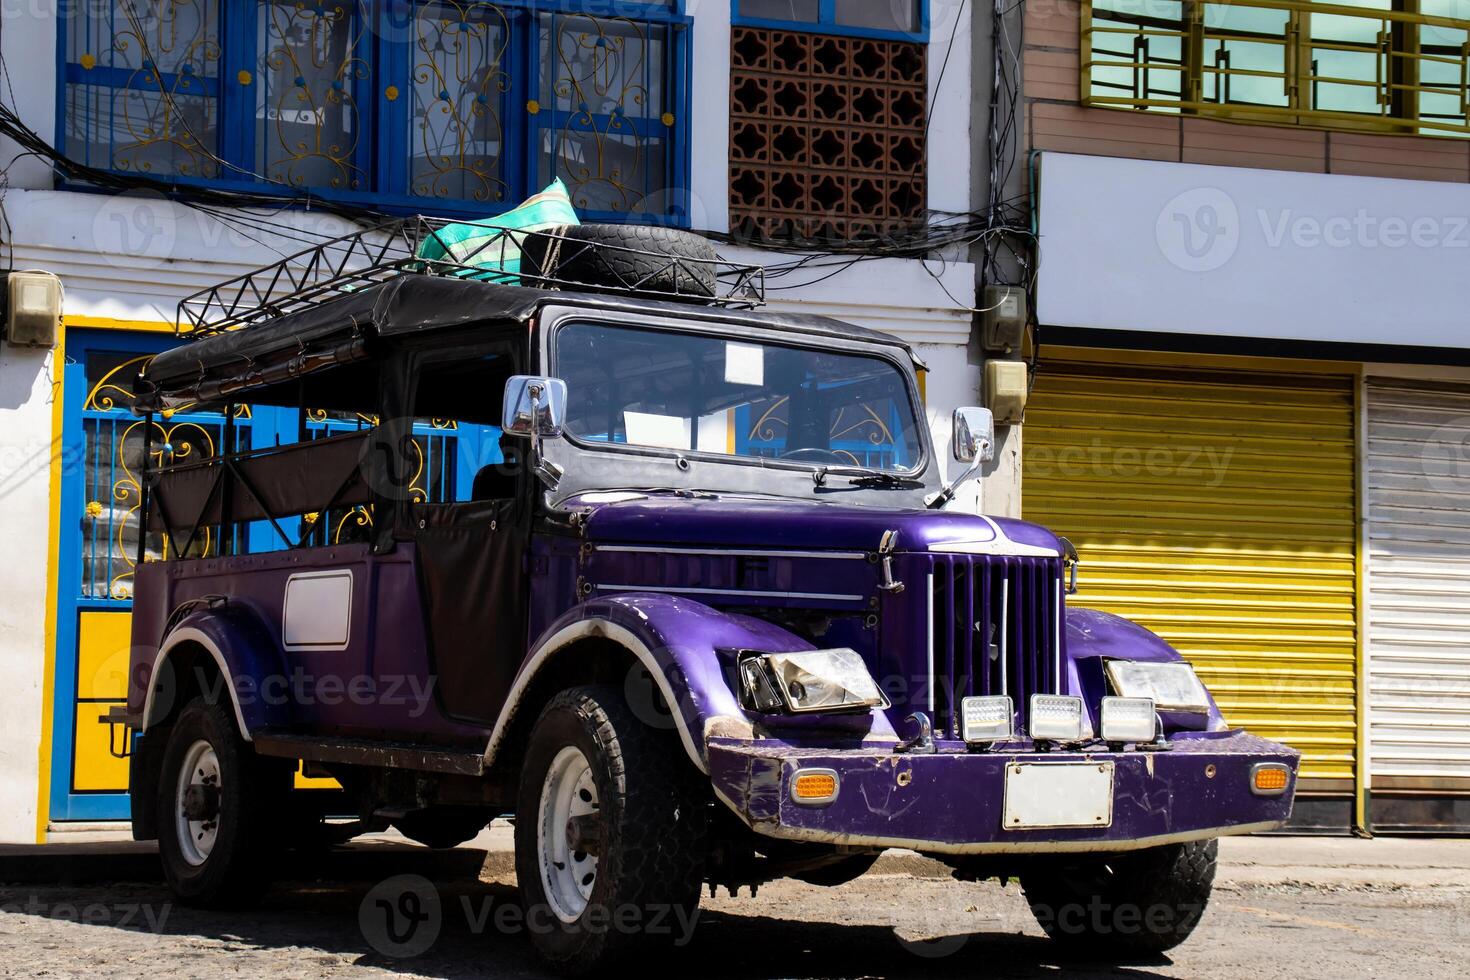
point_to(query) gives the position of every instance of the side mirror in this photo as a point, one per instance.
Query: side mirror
(974, 435)
(535, 408)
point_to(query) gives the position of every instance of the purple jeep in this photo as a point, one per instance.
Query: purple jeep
(669, 579)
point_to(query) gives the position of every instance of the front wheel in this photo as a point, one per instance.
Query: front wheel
(1141, 903)
(217, 802)
(610, 832)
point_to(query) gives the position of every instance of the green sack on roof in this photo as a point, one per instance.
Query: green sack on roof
(483, 244)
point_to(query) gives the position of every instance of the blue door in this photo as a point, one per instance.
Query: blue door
(102, 447)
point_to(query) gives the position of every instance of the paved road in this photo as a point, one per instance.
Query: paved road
(1281, 909)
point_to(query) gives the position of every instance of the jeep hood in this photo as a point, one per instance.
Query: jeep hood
(743, 522)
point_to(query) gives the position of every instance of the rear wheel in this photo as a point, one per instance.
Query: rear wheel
(1139, 903)
(217, 803)
(610, 832)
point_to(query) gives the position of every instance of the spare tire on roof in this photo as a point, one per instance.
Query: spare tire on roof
(638, 258)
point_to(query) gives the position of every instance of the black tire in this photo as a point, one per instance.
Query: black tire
(250, 799)
(443, 827)
(1140, 904)
(651, 813)
(681, 263)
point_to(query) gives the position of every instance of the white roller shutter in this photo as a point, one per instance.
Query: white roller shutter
(1419, 583)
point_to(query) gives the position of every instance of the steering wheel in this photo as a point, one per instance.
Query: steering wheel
(813, 455)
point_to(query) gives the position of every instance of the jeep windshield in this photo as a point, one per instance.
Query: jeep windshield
(685, 393)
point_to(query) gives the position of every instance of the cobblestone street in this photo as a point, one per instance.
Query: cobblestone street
(1281, 908)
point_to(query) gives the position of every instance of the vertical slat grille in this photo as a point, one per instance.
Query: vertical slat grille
(984, 609)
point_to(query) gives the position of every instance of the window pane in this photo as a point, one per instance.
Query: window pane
(308, 127)
(886, 15)
(459, 87)
(1347, 67)
(150, 69)
(1124, 37)
(1442, 51)
(802, 10)
(677, 391)
(1245, 55)
(603, 118)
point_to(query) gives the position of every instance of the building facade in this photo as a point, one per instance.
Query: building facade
(154, 147)
(1250, 404)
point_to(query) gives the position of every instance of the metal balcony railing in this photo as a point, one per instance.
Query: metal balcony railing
(1287, 62)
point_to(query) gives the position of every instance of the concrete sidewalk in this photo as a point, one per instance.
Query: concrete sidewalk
(1330, 863)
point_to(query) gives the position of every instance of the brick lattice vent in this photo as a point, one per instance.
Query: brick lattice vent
(826, 135)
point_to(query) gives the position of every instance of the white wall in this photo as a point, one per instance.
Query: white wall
(26, 566)
(1238, 252)
(28, 45)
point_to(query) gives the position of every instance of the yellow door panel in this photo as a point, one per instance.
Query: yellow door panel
(1217, 507)
(103, 642)
(94, 766)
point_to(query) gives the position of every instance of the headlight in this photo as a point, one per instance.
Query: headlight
(986, 719)
(1127, 720)
(811, 680)
(1171, 686)
(1056, 718)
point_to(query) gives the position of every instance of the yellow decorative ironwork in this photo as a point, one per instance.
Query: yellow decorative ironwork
(601, 81)
(1284, 62)
(877, 431)
(459, 77)
(361, 516)
(169, 441)
(762, 430)
(312, 60)
(169, 48)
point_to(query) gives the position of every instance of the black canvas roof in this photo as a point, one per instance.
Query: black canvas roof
(413, 304)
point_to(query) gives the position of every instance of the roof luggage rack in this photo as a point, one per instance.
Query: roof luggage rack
(382, 252)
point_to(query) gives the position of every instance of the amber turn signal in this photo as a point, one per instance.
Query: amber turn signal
(814, 786)
(1269, 779)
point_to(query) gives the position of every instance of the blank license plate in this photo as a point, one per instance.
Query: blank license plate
(1058, 795)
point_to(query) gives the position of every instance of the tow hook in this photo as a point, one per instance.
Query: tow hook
(922, 743)
(886, 546)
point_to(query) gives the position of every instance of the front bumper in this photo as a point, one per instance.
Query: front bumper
(953, 802)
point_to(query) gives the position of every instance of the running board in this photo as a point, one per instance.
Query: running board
(361, 752)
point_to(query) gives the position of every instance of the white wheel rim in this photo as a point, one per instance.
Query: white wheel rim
(196, 837)
(567, 875)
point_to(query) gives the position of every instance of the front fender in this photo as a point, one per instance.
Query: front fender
(676, 640)
(247, 657)
(1094, 636)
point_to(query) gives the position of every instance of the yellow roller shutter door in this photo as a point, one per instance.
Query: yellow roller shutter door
(1215, 506)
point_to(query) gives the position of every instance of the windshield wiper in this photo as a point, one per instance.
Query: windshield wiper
(886, 481)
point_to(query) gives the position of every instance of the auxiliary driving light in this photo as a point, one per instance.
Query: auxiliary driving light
(1128, 719)
(1056, 718)
(1270, 778)
(814, 787)
(985, 720)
